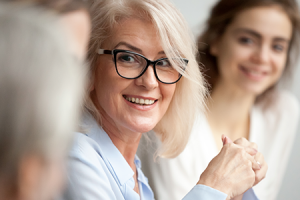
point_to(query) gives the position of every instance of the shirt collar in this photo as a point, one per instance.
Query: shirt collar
(141, 176)
(110, 153)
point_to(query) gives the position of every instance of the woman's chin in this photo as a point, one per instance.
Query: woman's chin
(143, 128)
(252, 89)
(142, 124)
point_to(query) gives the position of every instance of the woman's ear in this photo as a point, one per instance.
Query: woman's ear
(91, 84)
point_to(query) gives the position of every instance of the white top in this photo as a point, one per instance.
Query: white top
(272, 128)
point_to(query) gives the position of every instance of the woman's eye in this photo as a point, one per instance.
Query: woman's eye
(245, 40)
(126, 58)
(278, 48)
(164, 63)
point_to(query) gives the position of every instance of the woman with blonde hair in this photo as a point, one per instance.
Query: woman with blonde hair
(41, 88)
(248, 47)
(144, 76)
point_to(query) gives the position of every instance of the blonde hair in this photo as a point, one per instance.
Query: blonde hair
(41, 84)
(177, 41)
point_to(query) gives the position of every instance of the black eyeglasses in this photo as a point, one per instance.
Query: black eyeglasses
(131, 65)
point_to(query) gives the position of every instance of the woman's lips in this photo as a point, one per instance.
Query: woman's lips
(256, 75)
(140, 103)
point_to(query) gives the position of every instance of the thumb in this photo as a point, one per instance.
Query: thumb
(226, 140)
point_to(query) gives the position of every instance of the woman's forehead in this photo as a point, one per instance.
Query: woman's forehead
(270, 21)
(134, 32)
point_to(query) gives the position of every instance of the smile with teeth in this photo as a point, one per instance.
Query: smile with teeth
(140, 101)
(253, 72)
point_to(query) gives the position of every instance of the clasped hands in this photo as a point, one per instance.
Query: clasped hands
(237, 168)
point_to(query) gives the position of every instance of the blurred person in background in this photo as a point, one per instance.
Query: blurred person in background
(75, 19)
(247, 48)
(41, 89)
(144, 76)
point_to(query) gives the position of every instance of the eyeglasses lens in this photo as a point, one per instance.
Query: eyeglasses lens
(130, 65)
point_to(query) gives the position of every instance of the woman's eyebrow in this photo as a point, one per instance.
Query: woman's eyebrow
(248, 31)
(259, 36)
(281, 39)
(133, 48)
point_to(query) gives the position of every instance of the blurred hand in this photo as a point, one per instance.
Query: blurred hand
(260, 174)
(232, 171)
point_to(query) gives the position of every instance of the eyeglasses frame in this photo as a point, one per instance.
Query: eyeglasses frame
(114, 53)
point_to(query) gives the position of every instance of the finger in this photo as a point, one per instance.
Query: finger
(255, 165)
(223, 138)
(260, 159)
(229, 140)
(251, 151)
(245, 143)
(261, 174)
(253, 145)
(242, 142)
(226, 140)
(259, 163)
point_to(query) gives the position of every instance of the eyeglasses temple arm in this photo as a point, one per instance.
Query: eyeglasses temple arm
(103, 51)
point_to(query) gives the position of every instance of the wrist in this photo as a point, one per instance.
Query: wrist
(213, 184)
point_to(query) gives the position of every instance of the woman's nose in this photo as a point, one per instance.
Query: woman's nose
(148, 79)
(262, 54)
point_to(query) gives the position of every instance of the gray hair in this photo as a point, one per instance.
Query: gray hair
(41, 84)
(177, 41)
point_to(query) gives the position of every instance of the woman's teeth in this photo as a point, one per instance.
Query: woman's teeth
(140, 101)
(254, 73)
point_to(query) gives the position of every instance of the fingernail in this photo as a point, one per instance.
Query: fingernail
(223, 138)
(259, 164)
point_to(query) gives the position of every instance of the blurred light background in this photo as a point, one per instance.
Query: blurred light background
(196, 12)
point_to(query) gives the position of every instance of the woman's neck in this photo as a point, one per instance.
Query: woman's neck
(126, 141)
(229, 112)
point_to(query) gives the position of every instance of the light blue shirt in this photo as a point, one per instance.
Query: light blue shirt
(98, 171)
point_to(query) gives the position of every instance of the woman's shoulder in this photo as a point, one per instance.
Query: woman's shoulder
(282, 102)
(86, 151)
(277, 114)
(84, 145)
(286, 99)
(88, 176)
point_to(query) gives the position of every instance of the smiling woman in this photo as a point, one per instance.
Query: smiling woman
(161, 43)
(140, 36)
(145, 77)
(256, 51)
